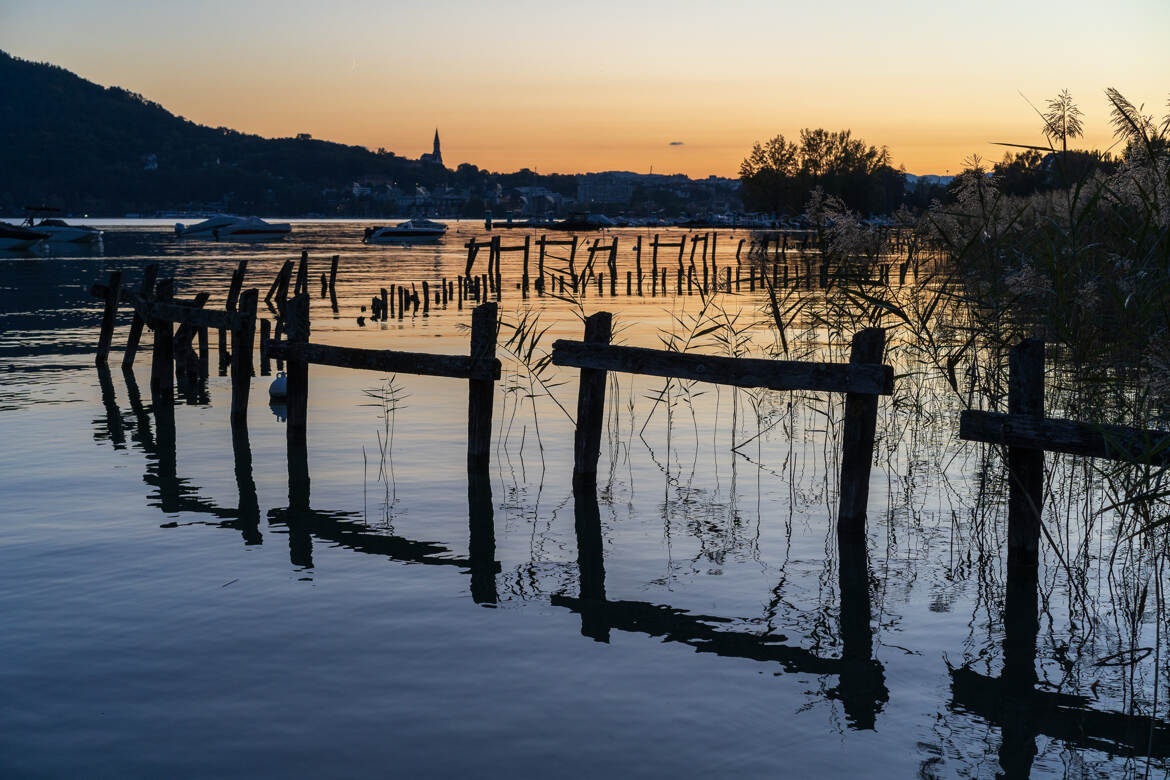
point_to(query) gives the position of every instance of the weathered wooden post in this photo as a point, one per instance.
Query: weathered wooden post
(297, 369)
(524, 276)
(302, 284)
(204, 357)
(150, 273)
(857, 437)
(590, 407)
(106, 335)
(481, 391)
(162, 368)
(265, 360)
(638, 264)
(243, 337)
(333, 282)
(232, 300)
(185, 357)
(1025, 465)
(613, 270)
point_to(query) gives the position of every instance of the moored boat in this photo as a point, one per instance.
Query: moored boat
(224, 226)
(58, 230)
(17, 237)
(412, 229)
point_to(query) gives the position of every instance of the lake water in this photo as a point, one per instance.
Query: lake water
(174, 606)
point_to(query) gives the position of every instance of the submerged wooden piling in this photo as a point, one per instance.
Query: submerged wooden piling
(857, 438)
(243, 338)
(1025, 465)
(137, 324)
(162, 367)
(481, 392)
(590, 407)
(297, 370)
(109, 314)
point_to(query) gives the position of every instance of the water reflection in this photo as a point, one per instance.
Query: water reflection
(153, 431)
(1020, 705)
(1016, 703)
(861, 686)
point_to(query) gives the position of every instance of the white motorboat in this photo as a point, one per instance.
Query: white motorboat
(223, 226)
(411, 229)
(17, 237)
(58, 230)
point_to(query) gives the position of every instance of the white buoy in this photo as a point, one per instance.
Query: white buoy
(279, 386)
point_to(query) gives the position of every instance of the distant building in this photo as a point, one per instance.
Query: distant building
(435, 157)
(604, 188)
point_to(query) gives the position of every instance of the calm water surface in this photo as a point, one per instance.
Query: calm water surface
(174, 606)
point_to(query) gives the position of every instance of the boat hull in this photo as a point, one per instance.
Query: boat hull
(18, 243)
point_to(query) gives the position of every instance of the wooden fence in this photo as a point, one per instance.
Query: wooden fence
(481, 369)
(863, 379)
(155, 306)
(1027, 433)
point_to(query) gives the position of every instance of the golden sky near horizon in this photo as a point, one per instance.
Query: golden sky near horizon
(610, 85)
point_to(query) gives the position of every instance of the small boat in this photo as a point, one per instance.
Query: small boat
(58, 230)
(224, 226)
(16, 237)
(584, 221)
(405, 231)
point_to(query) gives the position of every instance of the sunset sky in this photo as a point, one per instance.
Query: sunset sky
(609, 85)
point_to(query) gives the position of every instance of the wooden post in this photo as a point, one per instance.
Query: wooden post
(265, 335)
(243, 336)
(590, 408)
(1025, 466)
(857, 439)
(136, 325)
(426, 295)
(297, 370)
(540, 259)
(204, 357)
(573, 259)
(481, 392)
(302, 285)
(613, 271)
(524, 276)
(162, 368)
(106, 335)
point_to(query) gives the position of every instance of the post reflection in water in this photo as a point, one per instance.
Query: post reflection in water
(1016, 701)
(861, 686)
(153, 431)
(481, 538)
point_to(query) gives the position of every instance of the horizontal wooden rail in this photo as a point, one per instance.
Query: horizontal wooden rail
(874, 379)
(1112, 442)
(181, 313)
(388, 360)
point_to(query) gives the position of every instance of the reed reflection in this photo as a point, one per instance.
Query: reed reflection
(1016, 702)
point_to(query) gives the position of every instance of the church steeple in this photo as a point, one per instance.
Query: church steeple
(437, 155)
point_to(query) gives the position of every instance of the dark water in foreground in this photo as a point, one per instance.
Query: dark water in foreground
(173, 607)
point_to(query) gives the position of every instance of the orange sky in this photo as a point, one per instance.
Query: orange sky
(610, 85)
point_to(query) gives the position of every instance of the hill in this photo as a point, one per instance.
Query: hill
(76, 145)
